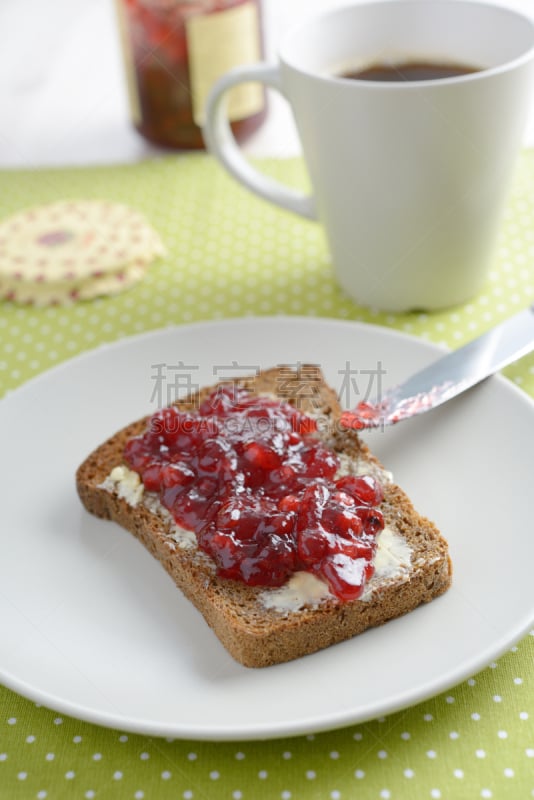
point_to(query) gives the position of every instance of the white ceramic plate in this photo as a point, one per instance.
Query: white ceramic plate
(92, 626)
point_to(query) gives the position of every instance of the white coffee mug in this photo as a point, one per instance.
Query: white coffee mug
(409, 179)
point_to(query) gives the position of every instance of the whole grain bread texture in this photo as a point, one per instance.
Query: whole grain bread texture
(254, 634)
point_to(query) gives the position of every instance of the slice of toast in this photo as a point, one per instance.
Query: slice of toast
(257, 625)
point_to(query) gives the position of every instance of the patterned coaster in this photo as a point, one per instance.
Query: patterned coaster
(71, 250)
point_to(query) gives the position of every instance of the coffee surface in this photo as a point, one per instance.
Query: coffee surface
(407, 71)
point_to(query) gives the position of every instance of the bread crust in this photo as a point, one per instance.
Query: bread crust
(257, 636)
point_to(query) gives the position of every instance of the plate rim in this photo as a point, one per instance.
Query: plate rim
(383, 330)
(255, 732)
(112, 344)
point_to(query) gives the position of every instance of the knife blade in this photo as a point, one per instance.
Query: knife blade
(450, 375)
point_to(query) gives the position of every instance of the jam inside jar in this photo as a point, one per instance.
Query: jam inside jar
(174, 50)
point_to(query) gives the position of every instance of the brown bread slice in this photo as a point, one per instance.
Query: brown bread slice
(254, 634)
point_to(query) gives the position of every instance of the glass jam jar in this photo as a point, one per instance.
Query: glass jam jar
(174, 50)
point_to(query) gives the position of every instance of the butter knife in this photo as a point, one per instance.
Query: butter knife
(449, 376)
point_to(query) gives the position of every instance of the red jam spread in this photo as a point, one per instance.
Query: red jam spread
(251, 478)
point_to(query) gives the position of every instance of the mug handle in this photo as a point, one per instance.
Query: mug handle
(221, 143)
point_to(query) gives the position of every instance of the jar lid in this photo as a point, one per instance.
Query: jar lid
(74, 249)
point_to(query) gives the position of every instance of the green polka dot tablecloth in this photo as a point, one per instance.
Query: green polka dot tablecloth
(228, 255)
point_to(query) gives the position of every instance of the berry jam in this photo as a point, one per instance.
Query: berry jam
(169, 69)
(251, 478)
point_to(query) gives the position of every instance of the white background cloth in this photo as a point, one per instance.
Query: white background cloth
(62, 91)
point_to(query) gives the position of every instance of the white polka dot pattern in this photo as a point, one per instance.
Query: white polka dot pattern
(434, 750)
(229, 254)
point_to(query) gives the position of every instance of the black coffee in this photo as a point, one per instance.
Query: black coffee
(404, 72)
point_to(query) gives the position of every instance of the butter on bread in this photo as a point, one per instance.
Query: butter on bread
(260, 626)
